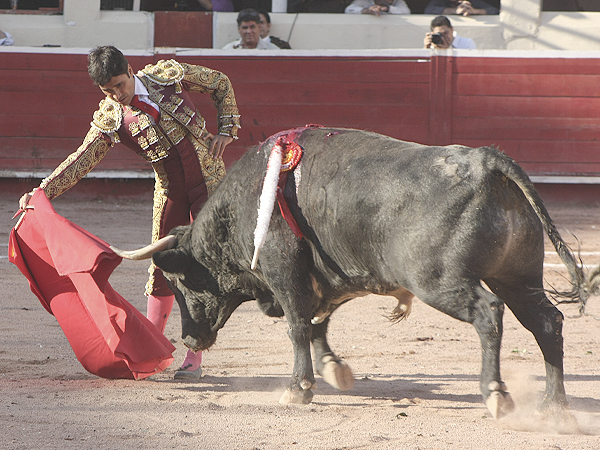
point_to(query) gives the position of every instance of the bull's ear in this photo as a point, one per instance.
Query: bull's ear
(175, 260)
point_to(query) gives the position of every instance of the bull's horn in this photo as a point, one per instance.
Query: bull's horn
(146, 253)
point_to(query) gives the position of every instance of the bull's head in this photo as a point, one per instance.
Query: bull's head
(204, 306)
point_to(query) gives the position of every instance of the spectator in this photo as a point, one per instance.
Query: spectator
(248, 21)
(265, 28)
(461, 8)
(443, 36)
(377, 7)
(316, 6)
(221, 5)
(204, 5)
(6, 38)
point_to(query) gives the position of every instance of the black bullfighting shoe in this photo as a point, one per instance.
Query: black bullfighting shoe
(185, 373)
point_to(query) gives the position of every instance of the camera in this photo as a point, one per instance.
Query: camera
(437, 38)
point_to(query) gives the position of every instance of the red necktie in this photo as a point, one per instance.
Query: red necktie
(145, 107)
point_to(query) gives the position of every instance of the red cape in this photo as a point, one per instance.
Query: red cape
(68, 270)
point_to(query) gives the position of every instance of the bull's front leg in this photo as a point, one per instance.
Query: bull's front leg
(303, 379)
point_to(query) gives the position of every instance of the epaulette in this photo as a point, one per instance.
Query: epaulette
(164, 72)
(109, 116)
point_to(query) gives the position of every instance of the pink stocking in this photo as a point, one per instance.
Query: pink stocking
(192, 361)
(159, 309)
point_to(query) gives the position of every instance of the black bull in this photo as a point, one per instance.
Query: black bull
(460, 228)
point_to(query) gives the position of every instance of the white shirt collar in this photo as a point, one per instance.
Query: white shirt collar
(142, 92)
(140, 88)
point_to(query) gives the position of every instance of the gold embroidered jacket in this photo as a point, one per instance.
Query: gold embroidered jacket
(167, 83)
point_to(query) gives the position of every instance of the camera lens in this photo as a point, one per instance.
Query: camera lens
(437, 39)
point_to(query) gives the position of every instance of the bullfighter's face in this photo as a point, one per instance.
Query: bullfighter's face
(121, 88)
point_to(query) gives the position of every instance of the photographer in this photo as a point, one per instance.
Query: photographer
(443, 36)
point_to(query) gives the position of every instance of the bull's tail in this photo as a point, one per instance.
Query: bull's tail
(594, 281)
(581, 288)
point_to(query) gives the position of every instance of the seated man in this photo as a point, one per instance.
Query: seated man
(461, 8)
(248, 21)
(443, 36)
(265, 28)
(377, 7)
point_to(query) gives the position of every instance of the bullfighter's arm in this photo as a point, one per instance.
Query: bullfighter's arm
(217, 84)
(95, 146)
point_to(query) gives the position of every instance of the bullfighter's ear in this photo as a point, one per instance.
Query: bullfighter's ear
(173, 261)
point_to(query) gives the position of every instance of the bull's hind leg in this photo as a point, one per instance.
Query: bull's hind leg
(487, 320)
(484, 310)
(533, 309)
(333, 370)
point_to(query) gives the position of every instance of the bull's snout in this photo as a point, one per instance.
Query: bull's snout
(194, 338)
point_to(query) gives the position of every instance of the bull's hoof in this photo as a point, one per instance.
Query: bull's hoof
(337, 373)
(499, 402)
(303, 397)
(551, 406)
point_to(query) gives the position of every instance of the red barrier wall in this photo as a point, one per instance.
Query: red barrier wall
(541, 111)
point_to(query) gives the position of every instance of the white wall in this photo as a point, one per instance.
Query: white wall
(358, 31)
(82, 25)
(516, 28)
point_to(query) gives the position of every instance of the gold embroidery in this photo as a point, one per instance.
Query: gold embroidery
(183, 118)
(167, 126)
(177, 133)
(164, 143)
(205, 80)
(109, 116)
(151, 135)
(77, 165)
(213, 170)
(134, 128)
(161, 189)
(169, 107)
(189, 111)
(176, 123)
(154, 91)
(164, 72)
(144, 122)
(176, 100)
(143, 142)
(156, 153)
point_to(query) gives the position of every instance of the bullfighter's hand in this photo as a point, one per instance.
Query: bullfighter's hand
(218, 144)
(24, 200)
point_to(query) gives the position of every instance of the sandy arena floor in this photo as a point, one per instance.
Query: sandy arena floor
(416, 381)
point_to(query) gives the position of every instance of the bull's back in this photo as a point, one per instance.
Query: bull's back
(378, 204)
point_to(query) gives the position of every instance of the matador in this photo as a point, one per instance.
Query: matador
(152, 114)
